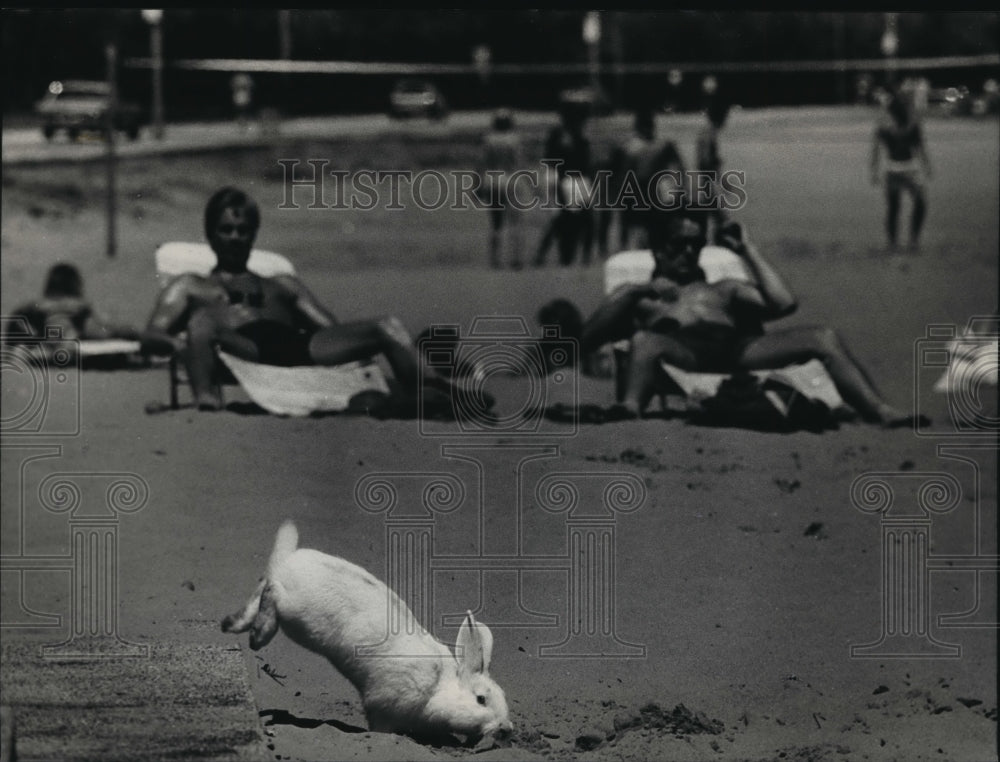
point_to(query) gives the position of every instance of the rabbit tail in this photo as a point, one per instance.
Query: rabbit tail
(285, 543)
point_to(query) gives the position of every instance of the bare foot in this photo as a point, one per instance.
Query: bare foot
(208, 402)
(471, 396)
(620, 412)
(891, 418)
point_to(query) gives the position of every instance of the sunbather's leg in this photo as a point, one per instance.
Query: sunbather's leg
(204, 335)
(613, 321)
(362, 340)
(349, 342)
(645, 374)
(780, 348)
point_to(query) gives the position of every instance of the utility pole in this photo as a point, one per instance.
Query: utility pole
(111, 54)
(592, 38)
(482, 58)
(838, 53)
(285, 34)
(154, 18)
(890, 45)
(617, 45)
(285, 51)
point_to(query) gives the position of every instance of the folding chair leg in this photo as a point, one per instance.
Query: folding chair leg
(174, 383)
(621, 373)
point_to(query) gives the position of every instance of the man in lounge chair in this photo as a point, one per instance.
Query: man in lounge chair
(697, 326)
(274, 321)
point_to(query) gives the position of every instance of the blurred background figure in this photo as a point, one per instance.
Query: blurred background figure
(569, 149)
(907, 165)
(672, 101)
(503, 154)
(629, 162)
(63, 307)
(633, 165)
(707, 156)
(863, 89)
(242, 86)
(991, 97)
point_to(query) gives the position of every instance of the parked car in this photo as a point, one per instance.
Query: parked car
(594, 101)
(950, 100)
(416, 97)
(81, 105)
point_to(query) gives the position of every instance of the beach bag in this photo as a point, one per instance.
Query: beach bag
(744, 401)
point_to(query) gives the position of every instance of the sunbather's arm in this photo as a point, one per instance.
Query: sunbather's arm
(613, 320)
(778, 300)
(307, 305)
(168, 319)
(97, 326)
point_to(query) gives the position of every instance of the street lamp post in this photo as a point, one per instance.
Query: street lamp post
(890, 45)
(592, 37)
(154, 17)
(285, 53)
(111, 58)
(481, 59)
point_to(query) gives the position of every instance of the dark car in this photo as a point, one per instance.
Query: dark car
(950, 100)
(81, 106)
(416, 97)
(592, 101)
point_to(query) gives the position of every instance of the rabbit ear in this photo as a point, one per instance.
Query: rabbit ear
(475, 644)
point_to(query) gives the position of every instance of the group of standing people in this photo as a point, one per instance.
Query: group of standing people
(584, 216)
(568, 174)
(571, 171)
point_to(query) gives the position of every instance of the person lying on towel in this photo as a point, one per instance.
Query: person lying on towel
(64, 308)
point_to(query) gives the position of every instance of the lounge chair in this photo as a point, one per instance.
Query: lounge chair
(295, 391)
(718, 263)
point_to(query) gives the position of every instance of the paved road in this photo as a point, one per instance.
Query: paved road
(27, 146)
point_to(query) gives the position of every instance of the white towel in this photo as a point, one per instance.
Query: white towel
(305, 389)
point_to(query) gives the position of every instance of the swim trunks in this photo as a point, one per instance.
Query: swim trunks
(277, 343)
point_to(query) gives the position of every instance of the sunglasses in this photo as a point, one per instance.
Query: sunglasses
(686, 240)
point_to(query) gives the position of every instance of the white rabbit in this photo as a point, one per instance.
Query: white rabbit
(409, 681)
